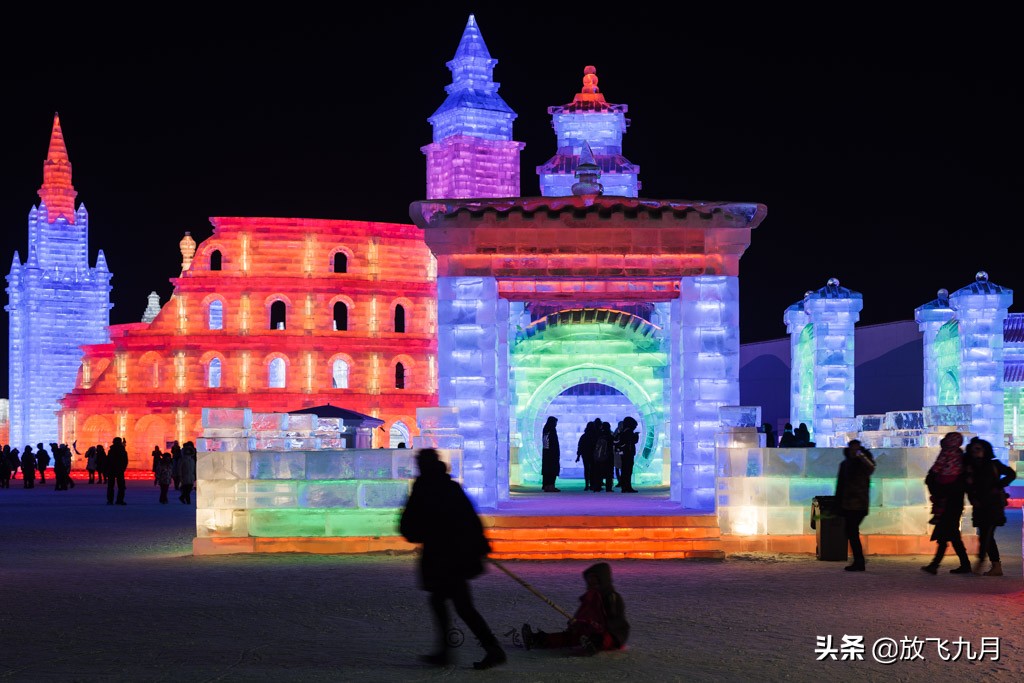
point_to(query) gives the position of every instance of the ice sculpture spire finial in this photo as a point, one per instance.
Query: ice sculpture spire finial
(57, 192)
(187, 245)
(588, 174)
(152, 308)
(472, 66)
(589, 92)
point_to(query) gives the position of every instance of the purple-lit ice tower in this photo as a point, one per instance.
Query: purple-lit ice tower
(822, 379)
(473, 153)
(56, 302)
(589, 119)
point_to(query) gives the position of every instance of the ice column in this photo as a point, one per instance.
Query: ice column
(473, 369)
(930, 318)
(981, 309)
(709, 350)
(801, 367)
(832, 310)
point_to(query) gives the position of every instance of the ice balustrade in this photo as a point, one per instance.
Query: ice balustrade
(287, 475)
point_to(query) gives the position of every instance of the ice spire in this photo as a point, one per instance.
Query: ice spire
(57, 192)
(588, 174)
(187, 246)
(472, 65)
(152, 308)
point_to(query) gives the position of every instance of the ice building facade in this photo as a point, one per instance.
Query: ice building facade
(473, 153)
(56, 302)
(821, 331)
(591, 121)
(274, 315)
(973, 355)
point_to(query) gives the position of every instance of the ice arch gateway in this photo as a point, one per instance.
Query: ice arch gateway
(537, 296)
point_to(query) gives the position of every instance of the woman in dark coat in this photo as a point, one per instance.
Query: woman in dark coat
(602, 470)
(945, 481)
(853, 495)
(986, 480)
(439, 515)
(550, 455)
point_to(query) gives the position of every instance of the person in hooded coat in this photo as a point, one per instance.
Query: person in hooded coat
(186, 471)
(585, 451)
(5, 467)
(550, 456)
(627, 439)
(28, 468)
(117, 464)
(598, 624)
(986, 480)
(946, 481)
(439, 515)
(853, 495)
(603, 470)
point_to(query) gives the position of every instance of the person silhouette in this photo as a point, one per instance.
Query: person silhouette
(439, 515)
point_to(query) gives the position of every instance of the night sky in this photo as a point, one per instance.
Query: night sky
(888, 152)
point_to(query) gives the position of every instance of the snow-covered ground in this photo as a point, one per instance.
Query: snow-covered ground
(90, 592)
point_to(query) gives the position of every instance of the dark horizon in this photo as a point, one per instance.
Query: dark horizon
(886, 157)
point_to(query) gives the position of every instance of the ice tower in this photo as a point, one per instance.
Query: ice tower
(589, 119)
(963, 350)
(473, 153)
(56, 302)
(822, 370)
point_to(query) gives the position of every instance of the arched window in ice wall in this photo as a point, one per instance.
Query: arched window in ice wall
(399, 376)
(215, 260)
(213, 371)
(278, 313)
(399, 435)
(215, 315)
(339, 375)
(276, 374)
(340, 262)
(399, 318)
(340, 316)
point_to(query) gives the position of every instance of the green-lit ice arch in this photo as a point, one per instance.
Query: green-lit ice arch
(589, 346)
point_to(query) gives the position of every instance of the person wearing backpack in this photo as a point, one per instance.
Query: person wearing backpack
(551, 455)
(987, 479)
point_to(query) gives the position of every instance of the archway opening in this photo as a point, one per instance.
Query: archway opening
(399, 436)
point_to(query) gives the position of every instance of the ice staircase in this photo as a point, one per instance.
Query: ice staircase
(568, 537)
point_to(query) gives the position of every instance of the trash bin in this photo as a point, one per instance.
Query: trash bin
(829, 529)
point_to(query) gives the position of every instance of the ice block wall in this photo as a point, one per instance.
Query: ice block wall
(473, 377)
(473, 153)
(280, 476)
(56, 303)
(981, 309)
(709, 358)
(833, 310)
(930, 319)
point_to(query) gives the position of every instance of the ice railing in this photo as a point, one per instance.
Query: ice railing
(287, 475)
(768, 491)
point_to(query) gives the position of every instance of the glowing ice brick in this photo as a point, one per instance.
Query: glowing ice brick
(437, 418)
(222, 418)
(224, 465)
(221, 523)
(884, 520)
(329, 494)
(802, 491)
(740, 416)
(822, 462)
(743, 520)
(374, 464)
(224, 444)
(903, 492)
(403, 464)
(291, 522)
(327, 426)
(870, 423)
(275, 422)
(364, 522)
(784, 462)
(384, 494)
(784, 521)
(955, 417)
(271, 494)
(304, 423)
(904, 419)
(222, 494)
(890, 462)
(327, 465)
(278, 465)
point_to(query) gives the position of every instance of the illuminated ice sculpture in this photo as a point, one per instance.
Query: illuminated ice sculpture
(963, 351)
(473, 153)
(822, 369)
(57, 302)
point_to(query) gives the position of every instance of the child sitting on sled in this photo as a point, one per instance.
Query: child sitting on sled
(599, 623)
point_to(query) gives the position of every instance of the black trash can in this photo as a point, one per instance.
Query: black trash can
(829, 529)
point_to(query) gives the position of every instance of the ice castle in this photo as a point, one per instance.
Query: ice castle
(57, 303)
